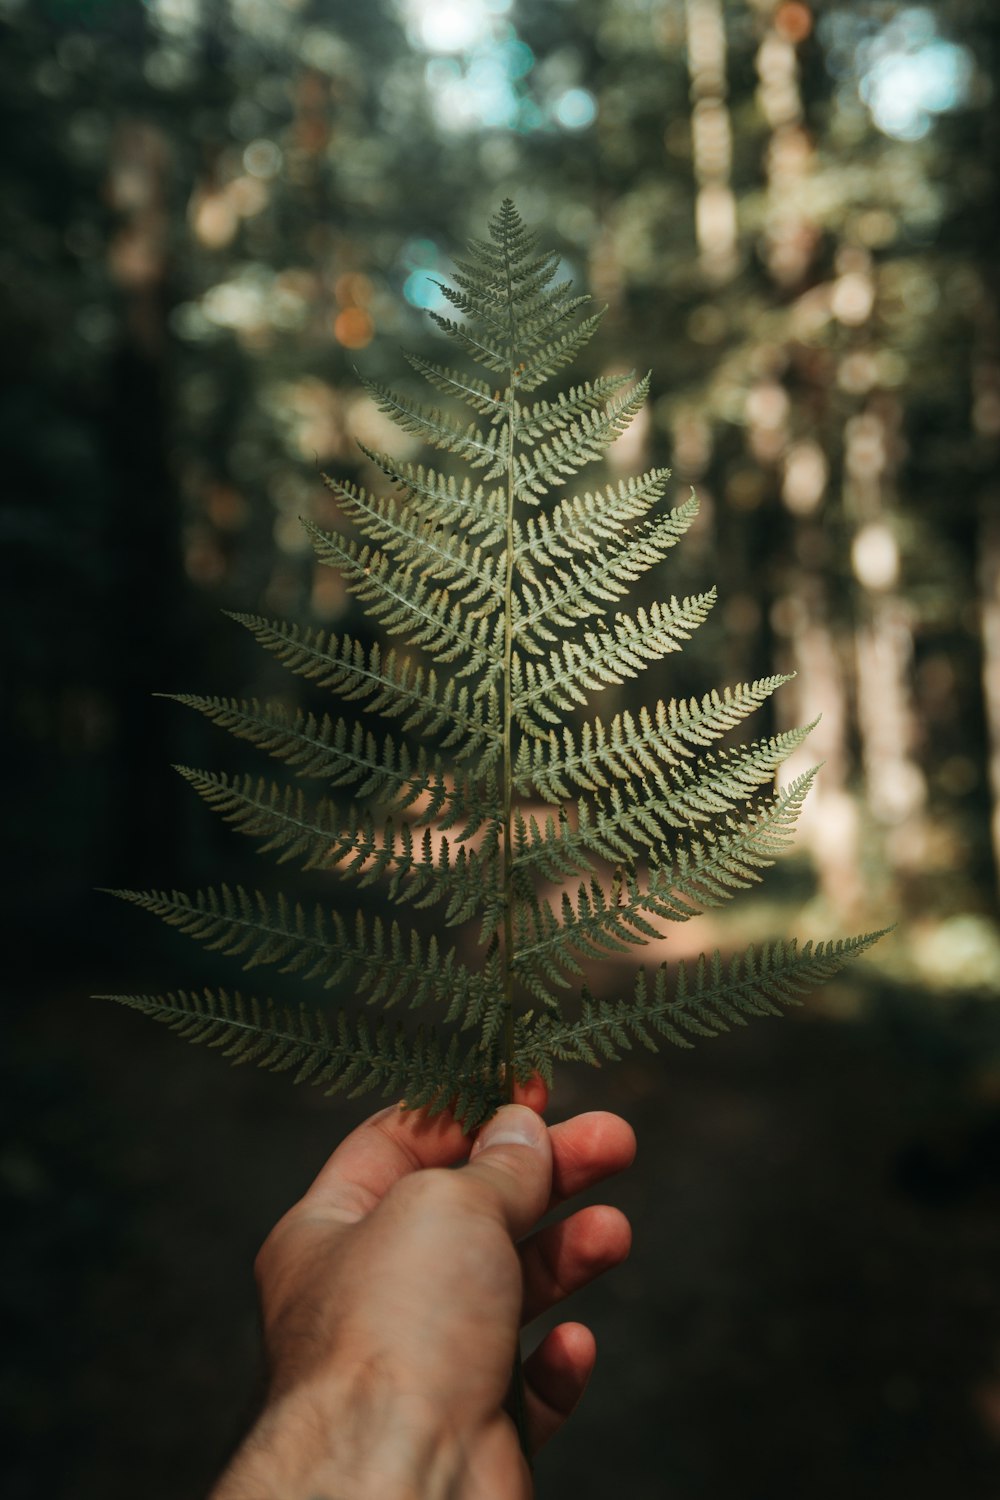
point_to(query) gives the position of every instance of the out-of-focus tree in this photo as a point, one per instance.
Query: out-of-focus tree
(215, 210)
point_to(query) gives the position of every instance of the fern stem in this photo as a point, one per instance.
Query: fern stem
(517, 1394)
(507, 1062)
(508, 765)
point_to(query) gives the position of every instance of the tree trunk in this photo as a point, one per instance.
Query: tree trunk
(146, 604)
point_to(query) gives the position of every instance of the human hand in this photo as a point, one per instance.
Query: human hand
(392, 1294)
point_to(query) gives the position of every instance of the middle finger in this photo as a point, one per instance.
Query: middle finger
(563, 1257)
(586, 1150)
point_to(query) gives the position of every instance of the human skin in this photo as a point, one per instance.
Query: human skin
(392, 1295)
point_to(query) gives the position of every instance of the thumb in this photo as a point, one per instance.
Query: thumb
(512, 1157)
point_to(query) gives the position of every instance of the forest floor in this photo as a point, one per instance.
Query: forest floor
(812, 1305)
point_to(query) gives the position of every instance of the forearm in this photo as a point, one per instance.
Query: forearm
(343, 1444)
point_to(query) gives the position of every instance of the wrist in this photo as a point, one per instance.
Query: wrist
(345, 1440)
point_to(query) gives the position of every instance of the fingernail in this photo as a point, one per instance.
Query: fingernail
(512, 1125)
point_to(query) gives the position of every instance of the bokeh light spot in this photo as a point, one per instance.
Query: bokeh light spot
(518, 58)
(875, 557)
(447, 25)
(353, 328)
(420, 254)
(262, 158)
(575, 109)
(793, 21)
(421, 290)
(911, 74)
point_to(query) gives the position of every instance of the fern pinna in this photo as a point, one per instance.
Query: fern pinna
(509, 598)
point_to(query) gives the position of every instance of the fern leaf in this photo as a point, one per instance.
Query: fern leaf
(389, 965)
(353, 1058)
(344, 754)
(539, 688)
(630, 747)
(707, 871)
(480, 450)
(686, 794)
(444, 500)
(582, 442)
(756, 983)
(588, 587)
(590, 924)
(559, 352)
(474, 392)
(591, 522)
(411, 605)
(423, 871)
(510, 608)
(410, 538)
(417, 870)
(534, 309)
(491, 355)
(385, 684)
(288, 825)
(704, 874)
(626, 822)
(542, 417)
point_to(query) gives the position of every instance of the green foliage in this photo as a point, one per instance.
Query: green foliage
(508, 599)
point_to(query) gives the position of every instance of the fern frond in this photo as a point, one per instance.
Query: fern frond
(388, 964)
(630, 820)
(491, 355)
(686, 794)
(289, 825)
(588, 523)
(344, 755)
(244, 924)
(590, 924)
(538, 316)
(411, 605)
(511, 609)
(511, 308)
(568, 450)
(385, 684)
(543, 417)
(561, 351)
(589, 586)
(534, 310)
(706, 871)
(474, 392)
(443, 499)
(630, 747)
(509, 275)
(483, 306)
(424, 871)
(480, 450)
(353, 1057)
(418, 871)
(539, 688)
(421, 541)
(703, 874)
(498, 270)
(755, 983)
(553, 850)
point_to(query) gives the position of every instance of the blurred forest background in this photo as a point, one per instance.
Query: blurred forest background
(214, 212)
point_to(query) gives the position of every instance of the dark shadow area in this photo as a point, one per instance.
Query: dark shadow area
(812, 1304)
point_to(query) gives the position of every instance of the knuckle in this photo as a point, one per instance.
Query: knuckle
(269, 1258)
(433, 1190)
